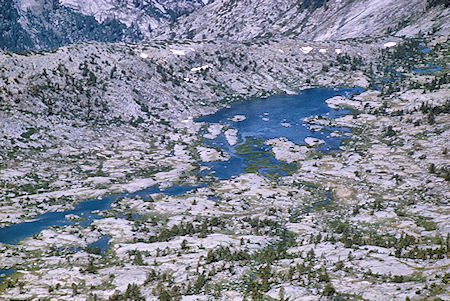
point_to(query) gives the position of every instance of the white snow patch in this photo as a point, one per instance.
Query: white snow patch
(338, 51)
(322, 50)
(144, 55)
(306, 49)
(189, 119)
(204, 67)
(389, 44)
(178, 51)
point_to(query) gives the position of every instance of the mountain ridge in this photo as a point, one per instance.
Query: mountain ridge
(43, 25)
(316, 21)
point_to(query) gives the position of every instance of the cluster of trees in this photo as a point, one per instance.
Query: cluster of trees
(312, 4)
(425, 108)
(272, 227)
(260, 280)
(66, 93)
(389, 89)
(224, 253)
(165, 289)
(433, 111)
(277, 250)
(393, 59)
(91, 77)
(205, 227)
(355, 63)
(351, 236)
(189, 228)
(433, 3)
(406, 245)
(437, 82)
(167, 294)
(423, 253)
(133, 293)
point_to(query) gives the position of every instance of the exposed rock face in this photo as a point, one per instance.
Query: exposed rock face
(47, 25)
(97, 121)
(141, 15)
(42, 24)
(311, 20)
(78, 93)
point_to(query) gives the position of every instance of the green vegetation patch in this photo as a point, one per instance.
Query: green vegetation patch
(426, 222)
(259, 158)
(29, 133)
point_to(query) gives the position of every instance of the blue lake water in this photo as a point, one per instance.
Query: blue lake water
(15, 233)
(264, 120)
(430, 68)
(4, 273)
(273, 117)
(264, 117)
(102, 244)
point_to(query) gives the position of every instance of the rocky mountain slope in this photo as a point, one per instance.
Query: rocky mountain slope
(96, 119)
(143, 16)
(41, 24)
(310, 20)
(87, 121)
(67, 98)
